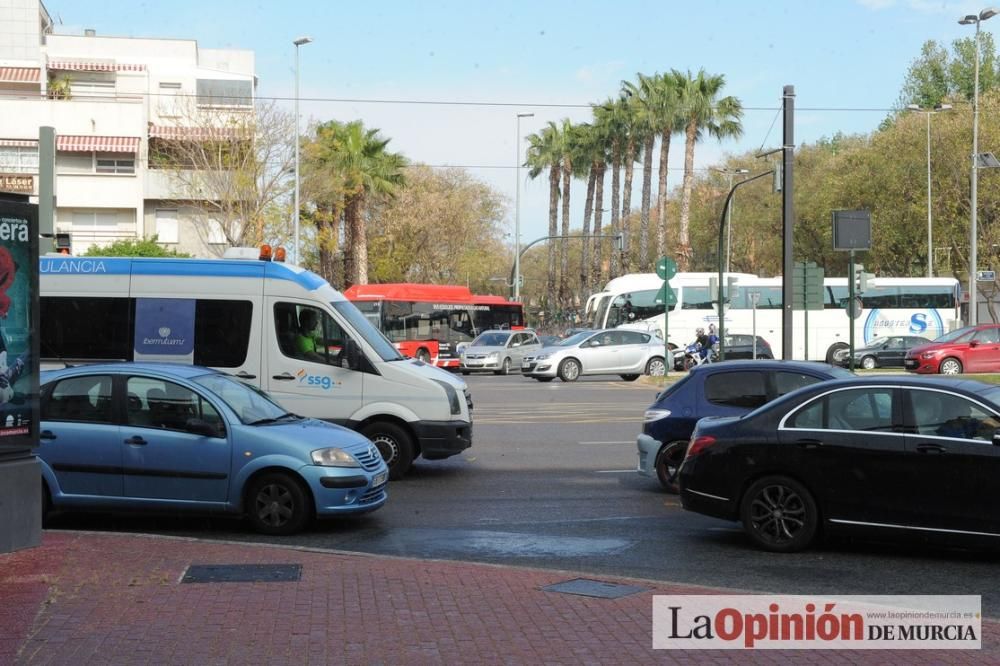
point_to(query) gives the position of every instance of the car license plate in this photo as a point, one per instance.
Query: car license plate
(379, 479)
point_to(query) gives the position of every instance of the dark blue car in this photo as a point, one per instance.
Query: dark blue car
(730, 388)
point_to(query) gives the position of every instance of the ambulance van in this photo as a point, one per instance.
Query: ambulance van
(276, 326)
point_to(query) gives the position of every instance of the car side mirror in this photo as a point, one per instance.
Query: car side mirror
(201, 427)
(353, 354)
(973, 343)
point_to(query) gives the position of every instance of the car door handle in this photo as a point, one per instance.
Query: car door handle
(283, 377)
(809, 443)
(46, 434)
(931, 448)
(242, 374)
(136, 440)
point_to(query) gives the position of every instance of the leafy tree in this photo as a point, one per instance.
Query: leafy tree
(928, 81)
(133, 247)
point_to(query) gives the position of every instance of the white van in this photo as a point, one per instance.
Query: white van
(249, 318)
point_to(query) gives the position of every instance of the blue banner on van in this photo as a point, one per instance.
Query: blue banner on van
(164, 329)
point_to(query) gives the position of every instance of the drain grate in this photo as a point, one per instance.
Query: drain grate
(585, 587)
(242, 573)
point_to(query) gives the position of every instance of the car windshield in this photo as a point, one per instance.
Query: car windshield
(363, 326)
(575, 339)
(491, 339)
(961, 335)
(250, 403)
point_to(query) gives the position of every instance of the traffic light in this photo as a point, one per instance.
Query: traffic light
(862, 279)
(63, 243)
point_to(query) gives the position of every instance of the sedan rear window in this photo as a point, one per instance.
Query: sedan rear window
(736, 389)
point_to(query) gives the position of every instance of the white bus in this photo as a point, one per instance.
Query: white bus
(926, 307)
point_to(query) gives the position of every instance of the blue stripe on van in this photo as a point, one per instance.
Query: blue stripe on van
(67, 265)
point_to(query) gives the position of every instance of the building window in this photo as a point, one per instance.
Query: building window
(92, 84)
(225, 92)
(216, 235)
(169, 101)
(95, 221)
(115, 165)
(18, 159)
(166, 226)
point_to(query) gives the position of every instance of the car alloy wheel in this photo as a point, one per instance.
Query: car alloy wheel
(779, 514)
(656, 367)
(569, 370)
(951, 366)
(668, 464)
(868, 362)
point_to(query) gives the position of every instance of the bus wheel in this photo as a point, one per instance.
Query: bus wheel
(834, 348)
(394, 444)
(423, 355)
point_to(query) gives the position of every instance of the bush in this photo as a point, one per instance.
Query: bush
(133, 247)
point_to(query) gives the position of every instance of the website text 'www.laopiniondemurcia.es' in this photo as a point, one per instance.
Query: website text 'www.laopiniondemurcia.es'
(911, 622)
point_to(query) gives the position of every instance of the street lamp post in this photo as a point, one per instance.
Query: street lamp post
(970, 19)
(517, 209)
(930, 226)
(298, 42)
(729, 215)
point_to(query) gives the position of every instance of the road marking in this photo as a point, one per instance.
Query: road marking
(628, 441)
(615, 471)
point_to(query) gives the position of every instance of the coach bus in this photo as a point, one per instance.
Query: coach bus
(430, 321)
(927, 307)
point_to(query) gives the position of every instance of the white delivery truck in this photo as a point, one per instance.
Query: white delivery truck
(274, 325)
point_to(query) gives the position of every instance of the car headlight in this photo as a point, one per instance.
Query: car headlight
(929, 354)
(493, 356)
(542, 357)
(655, 415)
(453, 403)
(334, 457)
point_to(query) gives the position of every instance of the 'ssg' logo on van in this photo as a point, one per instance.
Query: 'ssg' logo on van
(319, 381)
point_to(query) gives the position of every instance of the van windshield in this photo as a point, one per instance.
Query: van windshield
(363, 326)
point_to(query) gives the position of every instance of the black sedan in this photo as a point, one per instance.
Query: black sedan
(900, 455)
(881, 353)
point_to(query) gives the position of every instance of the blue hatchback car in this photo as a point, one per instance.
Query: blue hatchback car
(730, 388)
(167, 437)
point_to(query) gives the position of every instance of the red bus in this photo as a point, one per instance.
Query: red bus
(428, 321)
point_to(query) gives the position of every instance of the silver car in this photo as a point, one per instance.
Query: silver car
(498, 351)
(608, 352)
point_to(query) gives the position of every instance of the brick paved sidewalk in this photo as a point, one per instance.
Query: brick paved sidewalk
(85, 598)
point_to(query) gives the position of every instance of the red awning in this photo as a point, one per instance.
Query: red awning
(195, 133)
(20, 74)
(97, 144)
(70, 65)
(18, 143)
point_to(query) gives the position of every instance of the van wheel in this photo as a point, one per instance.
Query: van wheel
(277, 504)
(394, 444)
(423, 355)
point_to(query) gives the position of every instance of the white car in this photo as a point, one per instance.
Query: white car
(498, 351)
(608, 352)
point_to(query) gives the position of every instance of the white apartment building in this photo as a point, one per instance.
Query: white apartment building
(111, 100)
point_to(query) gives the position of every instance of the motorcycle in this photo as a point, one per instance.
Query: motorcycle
(693, 356)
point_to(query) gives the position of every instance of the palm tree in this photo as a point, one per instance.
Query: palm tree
(668, 120)
(703, 111)
(569, 148)
(357, 160)
(643, 98)
(545, 151)
(613, 116)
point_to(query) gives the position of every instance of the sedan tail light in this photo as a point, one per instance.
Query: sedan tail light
(699, 444)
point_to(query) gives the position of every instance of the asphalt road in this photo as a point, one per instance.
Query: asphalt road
(550, 482)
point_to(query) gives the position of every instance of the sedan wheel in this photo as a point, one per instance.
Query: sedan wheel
(569, 370)
(656, 367)
(779, 514)
(668, 463)
(868, 362)
(951, 366)
(504, 369)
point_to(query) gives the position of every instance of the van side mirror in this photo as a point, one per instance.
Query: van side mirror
(353, 354)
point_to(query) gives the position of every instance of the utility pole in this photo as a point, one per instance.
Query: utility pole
(787, 220)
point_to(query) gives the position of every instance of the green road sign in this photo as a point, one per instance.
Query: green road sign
(666, 268)
(807, 289)
(666, 296)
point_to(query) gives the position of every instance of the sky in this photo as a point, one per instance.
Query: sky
(845, 58)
